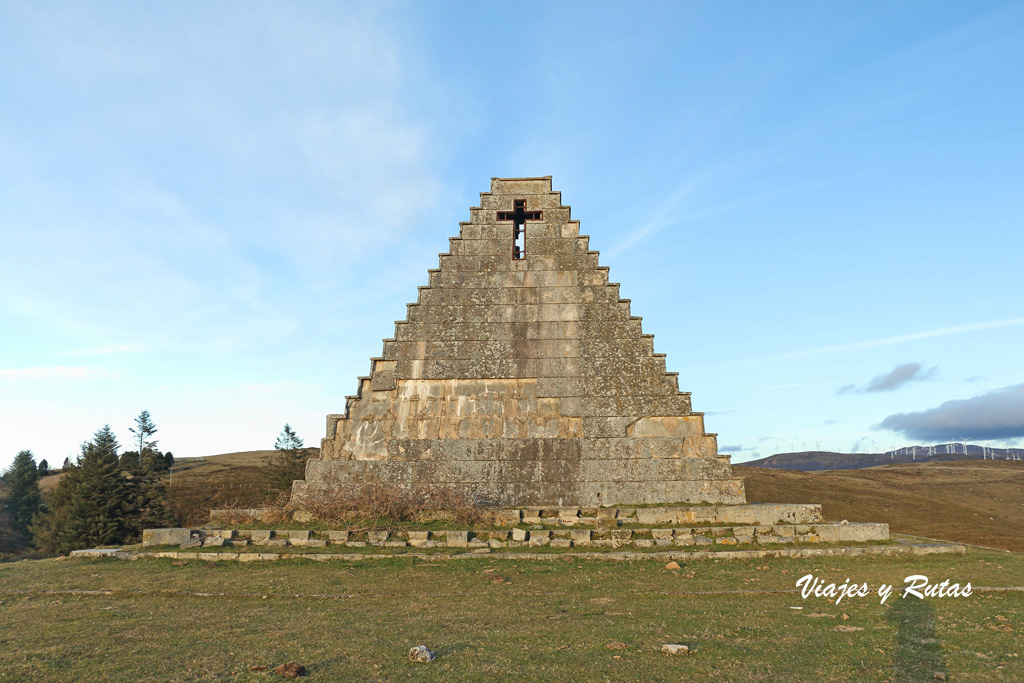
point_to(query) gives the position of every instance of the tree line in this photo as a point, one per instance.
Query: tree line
(107, 497)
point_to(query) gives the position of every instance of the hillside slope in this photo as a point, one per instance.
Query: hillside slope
(980, 502)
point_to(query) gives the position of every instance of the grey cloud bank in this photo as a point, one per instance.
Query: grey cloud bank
(898, 376)
(998, 414)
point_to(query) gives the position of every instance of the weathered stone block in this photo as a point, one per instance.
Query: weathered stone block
(260, 536)
(166, 536)
(656, 516)
(507, 517)
(337, 536)
(457, 539)
(580, 537)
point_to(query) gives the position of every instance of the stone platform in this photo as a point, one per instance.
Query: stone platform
(693, 526)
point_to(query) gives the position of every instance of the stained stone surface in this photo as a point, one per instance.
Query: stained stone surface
(523, 381)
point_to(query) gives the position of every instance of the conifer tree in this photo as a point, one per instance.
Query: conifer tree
(99, 503)
(143, 431)
(288, 464)
(97, 510)
(22, 499)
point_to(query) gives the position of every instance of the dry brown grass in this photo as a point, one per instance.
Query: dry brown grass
(379, 505)
(970, 501)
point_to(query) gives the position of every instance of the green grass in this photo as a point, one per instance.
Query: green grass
(539, 621)
(545, 549)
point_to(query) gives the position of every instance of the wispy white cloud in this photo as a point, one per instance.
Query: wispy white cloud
(666, 215)
(106, 350)
(54, 373)
(849, 347)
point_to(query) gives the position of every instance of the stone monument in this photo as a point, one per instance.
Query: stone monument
(520, 378)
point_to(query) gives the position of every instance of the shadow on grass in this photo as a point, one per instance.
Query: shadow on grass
(918, 655)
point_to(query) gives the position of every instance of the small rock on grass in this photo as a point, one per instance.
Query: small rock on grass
(616, 646)
(673, 565)
(939, 676)
(421, 653)
(675, 649)
(290, 670)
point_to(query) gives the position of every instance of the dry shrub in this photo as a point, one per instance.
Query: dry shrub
(379, 505)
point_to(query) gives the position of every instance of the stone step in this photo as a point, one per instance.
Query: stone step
(763, 513)
(697, 536)
(610, 517)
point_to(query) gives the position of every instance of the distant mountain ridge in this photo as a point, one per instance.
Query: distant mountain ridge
(809, 461)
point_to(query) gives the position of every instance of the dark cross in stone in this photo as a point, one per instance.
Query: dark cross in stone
(519, 216)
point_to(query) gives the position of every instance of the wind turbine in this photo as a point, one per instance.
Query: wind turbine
(964, 439)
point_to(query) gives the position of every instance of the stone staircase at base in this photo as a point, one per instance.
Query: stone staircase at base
(695, 537)
(694, 527)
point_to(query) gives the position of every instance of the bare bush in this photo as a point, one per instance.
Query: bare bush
(376, 505)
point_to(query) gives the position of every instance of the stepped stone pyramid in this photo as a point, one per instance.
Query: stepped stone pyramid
(519, 377)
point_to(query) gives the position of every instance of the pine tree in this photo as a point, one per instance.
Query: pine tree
(289, 464)
(288, 440)
(144, 430)
(44, 467)
(147, 507)
(97, 510)
(97, 502)
(22, 499)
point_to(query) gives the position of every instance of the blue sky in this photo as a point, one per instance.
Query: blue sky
(215, 212)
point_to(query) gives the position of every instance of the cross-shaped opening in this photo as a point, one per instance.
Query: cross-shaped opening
(519, 216)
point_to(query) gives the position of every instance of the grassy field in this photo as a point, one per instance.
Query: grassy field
(157, 620)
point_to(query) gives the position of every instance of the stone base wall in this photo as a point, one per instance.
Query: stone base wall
(540, 471)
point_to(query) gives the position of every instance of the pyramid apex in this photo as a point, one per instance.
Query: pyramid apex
(538, 185)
